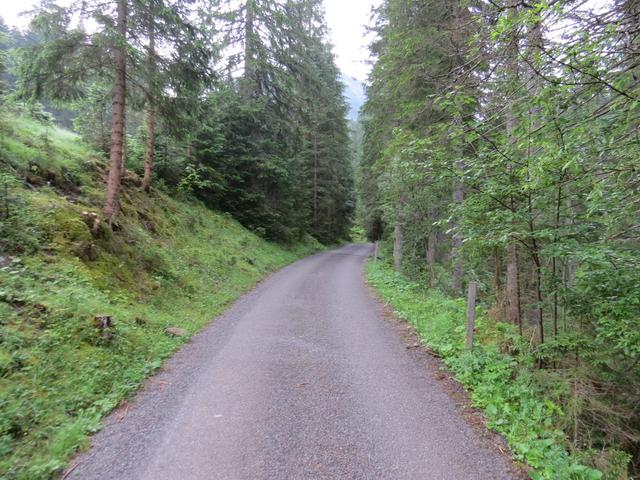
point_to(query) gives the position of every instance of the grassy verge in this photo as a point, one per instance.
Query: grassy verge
(515, 397)
(171, 263)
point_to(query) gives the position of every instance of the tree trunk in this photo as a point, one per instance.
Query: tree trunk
(149, 155)
(512, 283)
(513, 290)
(315, 180)
(456, 250)
(432, 245)
(125, 147)
(112, 205)
(249, 84)
(497, 276)
(460, 17)
(397, 247)
(554, 261)
(538, 290)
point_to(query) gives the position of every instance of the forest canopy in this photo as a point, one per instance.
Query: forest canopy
(499, 144)
(237, 103)
(501, 147)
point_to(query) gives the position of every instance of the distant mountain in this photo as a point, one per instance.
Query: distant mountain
(354, 93)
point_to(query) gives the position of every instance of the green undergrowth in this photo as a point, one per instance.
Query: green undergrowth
(517, 399)
(169, 263)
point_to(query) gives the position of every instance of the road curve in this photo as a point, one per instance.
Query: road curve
(300, 379)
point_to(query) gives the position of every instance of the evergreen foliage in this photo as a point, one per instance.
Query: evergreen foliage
(239, 103)
(500, 143)
(283, 165)
(159, 89)
(173, 263)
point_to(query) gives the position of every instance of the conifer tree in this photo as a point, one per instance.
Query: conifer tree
(285, 166)
(71, 58)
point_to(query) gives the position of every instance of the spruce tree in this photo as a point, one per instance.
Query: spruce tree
(70, 59)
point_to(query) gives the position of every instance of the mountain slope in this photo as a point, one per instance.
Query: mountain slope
(84, 314)
(355, 95)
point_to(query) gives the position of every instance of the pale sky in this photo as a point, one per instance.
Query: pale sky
(10, 9)
(346, 20)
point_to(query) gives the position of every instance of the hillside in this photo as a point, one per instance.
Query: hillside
(84, 310)
(355, 95)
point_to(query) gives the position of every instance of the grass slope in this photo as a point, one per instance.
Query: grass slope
(170, 263)
(518, 401)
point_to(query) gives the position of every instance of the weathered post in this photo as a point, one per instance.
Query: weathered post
(375, 253)
(471, 314)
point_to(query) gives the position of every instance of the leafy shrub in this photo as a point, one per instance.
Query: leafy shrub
(504, 386)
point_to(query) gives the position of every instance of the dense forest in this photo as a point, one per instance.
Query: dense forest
(501, 147)
(238, 103)
(499, 144)
(119, 240)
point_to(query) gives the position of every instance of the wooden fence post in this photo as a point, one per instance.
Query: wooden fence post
(375, 254)
(471, 314)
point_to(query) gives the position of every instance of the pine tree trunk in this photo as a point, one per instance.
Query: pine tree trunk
(432, 245)
(456, 250)
(397, 246)
(554, 259)
(534, 44)
(249, 85)
(513, 290)
(315, 180)
(497, 276)
(512, 283)
(112, 205)
(125, 151)
(149, 157)
(460, 17)
(125, 148)
(538, 291)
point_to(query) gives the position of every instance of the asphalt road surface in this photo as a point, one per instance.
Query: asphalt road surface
(302, 378)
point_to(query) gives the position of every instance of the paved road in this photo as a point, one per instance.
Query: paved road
(301, 379)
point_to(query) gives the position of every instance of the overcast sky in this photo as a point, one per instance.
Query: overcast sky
(346, 20)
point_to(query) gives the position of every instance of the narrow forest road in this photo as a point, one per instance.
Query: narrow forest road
(301, 379)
